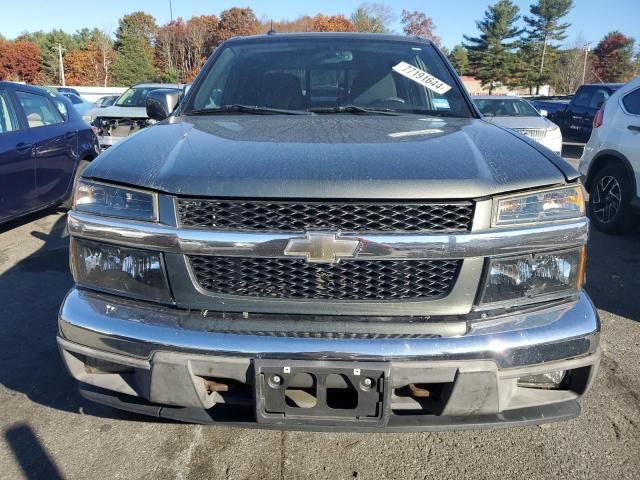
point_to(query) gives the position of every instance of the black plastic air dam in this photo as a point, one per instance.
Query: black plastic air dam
(405, 423)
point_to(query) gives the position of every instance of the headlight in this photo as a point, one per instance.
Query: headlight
(87, 118)
(521, 279)
(136, 273)
(554, 132)
(547, 205)
(108, 200)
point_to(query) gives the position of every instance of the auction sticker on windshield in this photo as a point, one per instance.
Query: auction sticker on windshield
(421, 77)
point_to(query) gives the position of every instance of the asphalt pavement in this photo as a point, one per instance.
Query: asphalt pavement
(48, 431)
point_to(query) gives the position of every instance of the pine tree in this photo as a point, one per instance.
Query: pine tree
(134, 49)
(491, 55)
(459, 58)
(544, 28)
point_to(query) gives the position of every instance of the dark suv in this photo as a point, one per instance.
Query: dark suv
(326, 234)
(44, 144)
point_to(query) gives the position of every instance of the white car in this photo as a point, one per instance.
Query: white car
(127, 115)
(518, 114)
(611, 162)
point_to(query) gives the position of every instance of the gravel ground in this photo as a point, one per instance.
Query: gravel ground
(48, 431)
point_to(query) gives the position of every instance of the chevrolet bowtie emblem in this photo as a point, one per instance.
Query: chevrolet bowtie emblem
(318, 247)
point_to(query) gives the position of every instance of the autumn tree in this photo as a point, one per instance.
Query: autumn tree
(182, 47)
(418, 24)
(47, 43)
(134, 45)
(569, 67)
(82, 67)
(614, 58)
(545, 28)
(332, 23)
(300, 24)
(236, 22)
(372, 18)
(19, 61)
(459, 58)
(492, 53)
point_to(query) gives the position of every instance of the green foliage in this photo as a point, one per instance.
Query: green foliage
(134, 49)
(543, 29)
(492, 54)
(48, 58)
(459, 58)
(372, 18)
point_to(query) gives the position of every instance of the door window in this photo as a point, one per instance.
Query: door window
(599, 97)
(583, 97)
(8, 121)
(631, 102)
(39, 110)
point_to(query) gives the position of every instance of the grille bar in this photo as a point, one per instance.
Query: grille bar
(296, 279)
(534, 133)
(287, 216)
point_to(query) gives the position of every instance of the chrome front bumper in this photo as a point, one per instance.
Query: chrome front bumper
(164, 355)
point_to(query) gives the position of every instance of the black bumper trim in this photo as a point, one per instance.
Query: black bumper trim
(234, 417)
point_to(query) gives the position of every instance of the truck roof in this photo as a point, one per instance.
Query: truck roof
(273, 37)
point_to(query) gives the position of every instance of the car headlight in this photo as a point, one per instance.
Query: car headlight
(131, 271)
(554, 132)
(112, 201)
(527, 277)
(543, 206)
(87, 118)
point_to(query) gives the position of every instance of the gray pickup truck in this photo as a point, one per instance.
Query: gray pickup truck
(325, 234)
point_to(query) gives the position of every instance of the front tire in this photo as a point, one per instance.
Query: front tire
(610, 207)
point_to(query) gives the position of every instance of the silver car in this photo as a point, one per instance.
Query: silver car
(518, 114)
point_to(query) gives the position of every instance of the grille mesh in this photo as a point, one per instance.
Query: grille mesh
(534, 133)
(352, 217)
(297, 279)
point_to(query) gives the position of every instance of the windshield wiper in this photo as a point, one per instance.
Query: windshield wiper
(252, 109)
(355, 109)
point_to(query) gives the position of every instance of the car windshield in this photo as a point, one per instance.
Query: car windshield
(135, 97)
(74, 98)
(505, 107)
(329, 75)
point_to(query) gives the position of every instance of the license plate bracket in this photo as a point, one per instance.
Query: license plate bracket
(321, 392)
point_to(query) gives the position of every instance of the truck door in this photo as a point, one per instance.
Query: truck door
(55, 145)
(577, 115)
(18, 193)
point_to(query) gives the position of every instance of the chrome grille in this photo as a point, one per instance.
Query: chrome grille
(534, 133)
(350, 280)
(276, 216)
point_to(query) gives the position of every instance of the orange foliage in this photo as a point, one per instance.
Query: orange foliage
(19, 61)
(333, 23)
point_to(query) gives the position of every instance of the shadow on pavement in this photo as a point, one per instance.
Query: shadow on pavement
(31, 293)
(613, 273)
(31, 455)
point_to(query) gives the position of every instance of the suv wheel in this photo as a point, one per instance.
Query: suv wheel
(610, 200)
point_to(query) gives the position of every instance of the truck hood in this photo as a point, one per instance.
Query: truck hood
(522, 122)
(329, 156)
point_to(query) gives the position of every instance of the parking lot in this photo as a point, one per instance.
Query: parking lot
(49, 431)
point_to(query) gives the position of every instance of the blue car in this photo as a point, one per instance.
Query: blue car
(79, 103)
(44, 146)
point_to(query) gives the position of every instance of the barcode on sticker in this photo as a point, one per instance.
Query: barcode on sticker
(421, 77)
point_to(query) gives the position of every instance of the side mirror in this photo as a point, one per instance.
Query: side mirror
(544, 113)
(161, 103)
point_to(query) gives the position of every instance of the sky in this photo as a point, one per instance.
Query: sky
(590, 19)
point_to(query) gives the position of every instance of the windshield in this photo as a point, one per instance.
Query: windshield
(326, 75)
(135, 97)
(505, 107)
